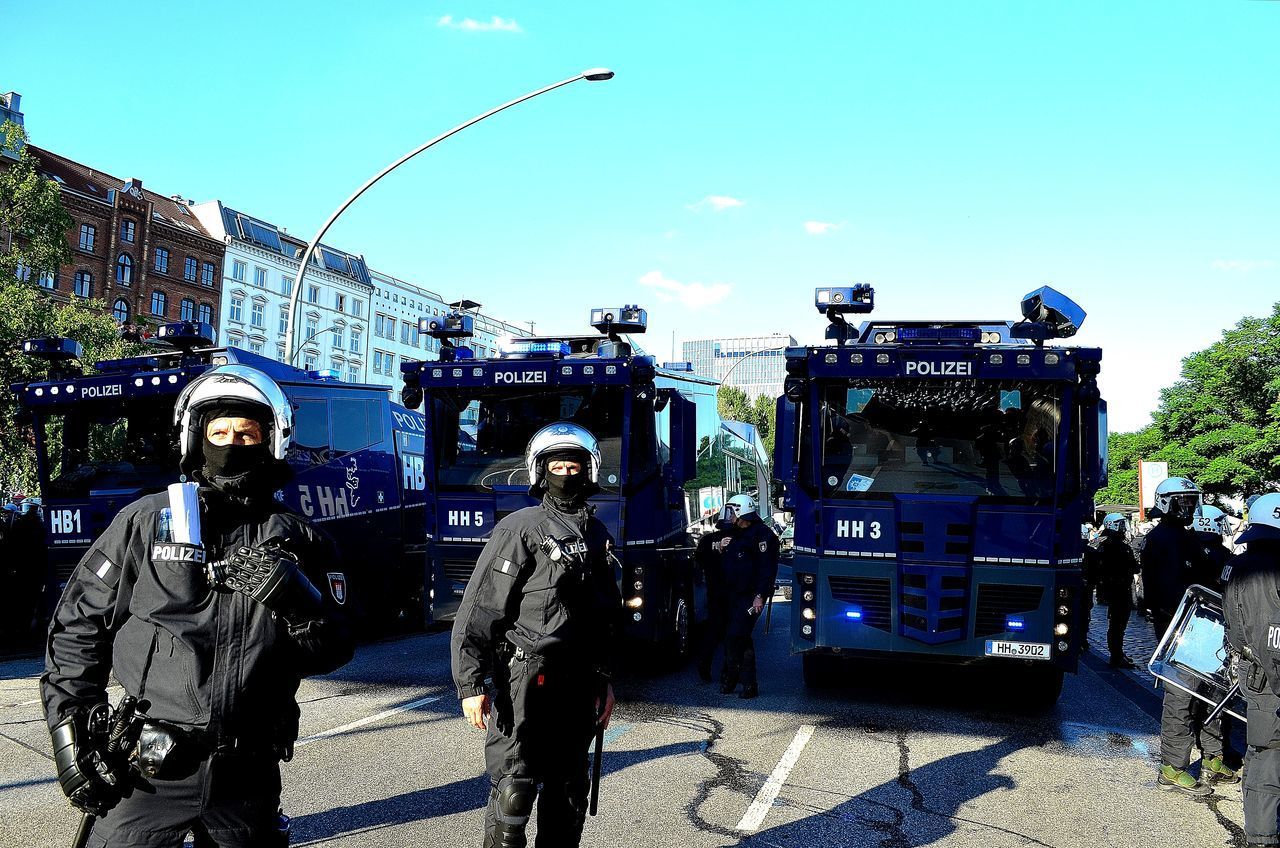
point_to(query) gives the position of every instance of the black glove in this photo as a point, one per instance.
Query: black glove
(84, 772)
(271, 576)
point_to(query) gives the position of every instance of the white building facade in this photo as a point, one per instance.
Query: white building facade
(755, 364)
(258, 274)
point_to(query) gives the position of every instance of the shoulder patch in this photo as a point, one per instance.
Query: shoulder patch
(103, 568)
(338, 586)
(764, 546)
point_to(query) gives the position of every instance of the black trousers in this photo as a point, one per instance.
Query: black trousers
(1119, 608)
(1182, 725)
(739, 650)
(231, 801)
(541, 728)
(713, 635)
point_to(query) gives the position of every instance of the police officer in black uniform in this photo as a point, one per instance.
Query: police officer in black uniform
(540, 617)
(1251, 602)
(710, 562)
(1116, 567)
(1172, 560)
(212, 639)
(750, 561)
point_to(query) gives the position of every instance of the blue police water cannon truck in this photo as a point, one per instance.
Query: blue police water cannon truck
(105, 439)
(649, 420)
(938, 472)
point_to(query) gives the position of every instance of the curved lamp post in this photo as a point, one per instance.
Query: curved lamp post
(592, 75)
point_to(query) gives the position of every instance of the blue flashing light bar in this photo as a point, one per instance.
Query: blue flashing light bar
(940, 334)
(528, 347)
(1015, 622)
(853, 613)
(323, 374)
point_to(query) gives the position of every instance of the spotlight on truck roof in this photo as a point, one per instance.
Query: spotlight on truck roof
(1048, 314)
(63, 355)
(612, 320)
(844, 299)
(455, 325)
(185, 335)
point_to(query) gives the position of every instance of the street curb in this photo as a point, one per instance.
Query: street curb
(1145, 698)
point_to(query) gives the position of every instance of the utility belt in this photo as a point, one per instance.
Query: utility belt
(561, 668)
(168, 752)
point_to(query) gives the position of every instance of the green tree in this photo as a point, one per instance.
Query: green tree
(31, 211)
(1219, 424)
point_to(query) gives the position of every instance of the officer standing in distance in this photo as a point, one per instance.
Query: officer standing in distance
(750, 561)
(1116, 567)
(213, 641)
(710, 561)
(1172, 561)
(1251, 602)
(540, 616)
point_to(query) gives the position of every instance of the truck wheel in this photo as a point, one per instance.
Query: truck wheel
(1041, 688)
(681, 638)
(821, 671)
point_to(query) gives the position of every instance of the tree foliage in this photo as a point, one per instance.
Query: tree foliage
(27, 311)
(1219, 424)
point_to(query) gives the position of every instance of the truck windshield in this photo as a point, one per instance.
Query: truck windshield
(111, 444)
(493, 428)
(992, 438)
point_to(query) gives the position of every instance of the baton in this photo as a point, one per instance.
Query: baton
(595, 762)
(768, 610)
(1220, 708)
(82, 833)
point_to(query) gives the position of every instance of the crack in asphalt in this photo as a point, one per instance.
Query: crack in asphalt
(30, 748)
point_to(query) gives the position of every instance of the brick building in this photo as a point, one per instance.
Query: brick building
(146, 255)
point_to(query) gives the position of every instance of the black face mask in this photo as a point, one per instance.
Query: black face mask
(234, 468)
(567, 487)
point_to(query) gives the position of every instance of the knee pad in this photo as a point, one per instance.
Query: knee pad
(515, 798)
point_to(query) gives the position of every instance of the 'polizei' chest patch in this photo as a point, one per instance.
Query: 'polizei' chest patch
(338, 586)
(174, 552)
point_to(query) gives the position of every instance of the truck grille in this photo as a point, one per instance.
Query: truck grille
(870, 593)
(996, 602)
(933, 602)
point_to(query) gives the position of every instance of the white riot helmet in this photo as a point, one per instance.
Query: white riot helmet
(1177, 489)
(738, 506)
(1264, 519)
(561, 436)
(231, 384)
(1210, 519)
(1116, 522)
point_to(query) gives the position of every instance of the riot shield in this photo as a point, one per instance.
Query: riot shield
(1193, 655)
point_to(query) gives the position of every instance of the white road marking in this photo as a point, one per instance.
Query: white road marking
(336, 731)
(754, 816)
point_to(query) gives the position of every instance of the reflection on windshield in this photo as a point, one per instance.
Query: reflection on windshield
(493, 429)
(111, 444)
(939, 437)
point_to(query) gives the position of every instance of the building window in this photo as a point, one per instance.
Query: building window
(189, 270)
(313, 327)
(309, 361)
(237, 271)
(353, 373)
(384, 363)
(260, 277)
(124, 269)
(336, 366)
(338, 333)
(284, 319)
(84, 284)
(162, 260)
(357, 308)
(126, 230)
(313, 294)
(187, 310)
(255, 347)
(280, 353)
(206, 274)
(206, 313)
(286, 285)
(255, 314)
(48, 280)
(356, 333)
(235, 341)
(88, 237)
(237, 309)
(120, 310)
(405, 327)
(158, 303)
(340, 302)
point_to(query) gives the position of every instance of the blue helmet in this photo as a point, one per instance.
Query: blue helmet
(1264, 519)
(1210, 519)
(1116, 522)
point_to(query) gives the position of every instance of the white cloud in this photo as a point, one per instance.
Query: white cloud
(718, 202)
(1244, 266)
(691, 295)
(494, 24)
(819, 228)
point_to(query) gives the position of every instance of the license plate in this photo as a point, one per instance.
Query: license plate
(1018, 650)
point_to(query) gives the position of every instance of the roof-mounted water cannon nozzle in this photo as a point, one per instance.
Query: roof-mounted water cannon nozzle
(185, 335)
(63, 355)
(446, 328)
(838, 301)
(623, 319)
(1048, 314)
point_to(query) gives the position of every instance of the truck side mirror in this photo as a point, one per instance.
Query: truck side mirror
(684, 438)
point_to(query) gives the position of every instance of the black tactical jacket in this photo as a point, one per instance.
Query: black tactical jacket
(1170, 563)
(750, 561)
(708, 559)
(1251, 604)
(1116, 567)
(214, 661)
(566, 611)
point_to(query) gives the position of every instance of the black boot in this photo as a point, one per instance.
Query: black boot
(704, 671)
(727, 685)
(749, 690)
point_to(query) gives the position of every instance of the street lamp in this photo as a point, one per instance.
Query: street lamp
(301, 347)
(592, 75)
(724, 381)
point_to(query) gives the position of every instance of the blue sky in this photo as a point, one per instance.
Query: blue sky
(954, 154)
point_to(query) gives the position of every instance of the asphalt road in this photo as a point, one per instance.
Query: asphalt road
(922, 759)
